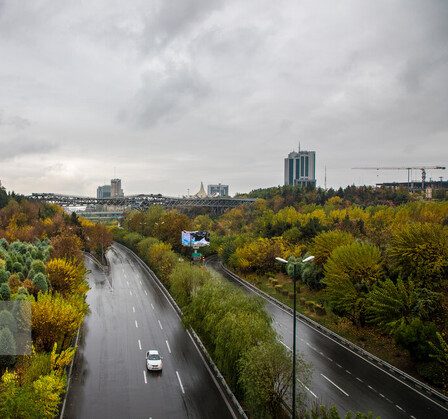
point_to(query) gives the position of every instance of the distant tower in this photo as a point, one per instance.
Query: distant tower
(201, 193)
(300, 168)
(115, 186)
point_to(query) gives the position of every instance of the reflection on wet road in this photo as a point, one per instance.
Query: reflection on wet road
(130, 315)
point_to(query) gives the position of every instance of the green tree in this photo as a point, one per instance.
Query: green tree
(389, 305)
(420, 251)
(324, 244)
(350, 272)
(7, 348)
(185, 280)
(266, 375)
(5, 292)
(40, 282)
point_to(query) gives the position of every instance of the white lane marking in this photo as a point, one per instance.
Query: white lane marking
(339, 388)
(125, 274)
(160, 324)
(127, 282)
(168, 345)
(144, 377)
(382, 395)
(399, 407)
(136, 324)
(146, 292)
(152, 306)
(371, 388)
(339, 365)
(306, 388)
(133, 309)
(348, 372)
(359, 379)
(180, 382)
(139, 345)
(141, 283)
(285, 345)
(130, 292)
(330, 359)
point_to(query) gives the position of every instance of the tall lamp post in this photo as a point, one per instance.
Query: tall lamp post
(295, 276)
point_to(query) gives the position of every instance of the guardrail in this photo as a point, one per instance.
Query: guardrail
(237, 410)
(394, 372)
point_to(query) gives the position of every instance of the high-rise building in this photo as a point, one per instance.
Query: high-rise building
(300, 168)
(103, 191)
(218, 190)
(116, 190)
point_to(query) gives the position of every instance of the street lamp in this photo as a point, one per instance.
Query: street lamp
(295, 275)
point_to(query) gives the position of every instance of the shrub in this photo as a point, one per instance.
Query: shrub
(5, 292)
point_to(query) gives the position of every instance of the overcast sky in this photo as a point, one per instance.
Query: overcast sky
(170, 93)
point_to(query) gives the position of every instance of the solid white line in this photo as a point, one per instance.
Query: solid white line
(130, 292)
(152, 306)
(339, 388)
(136, 324)
(180, 382)
(160, 324)
(168, 345)
(133, 309)
(144, 377)
(139, 345)
(306, 388)
(285, 345)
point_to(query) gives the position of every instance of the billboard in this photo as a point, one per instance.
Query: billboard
(195, 238)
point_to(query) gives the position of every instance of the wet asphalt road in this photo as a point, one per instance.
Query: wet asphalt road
(130, 315)
(342, 378)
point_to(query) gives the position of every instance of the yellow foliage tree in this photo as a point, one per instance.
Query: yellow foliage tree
(55, 319)
(66, 276)
(48, 390)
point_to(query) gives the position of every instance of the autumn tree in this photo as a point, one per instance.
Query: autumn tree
(55, 319)
(184, 280)
(66, 246)
(350, 272)
(420, 251)
(66, 276)
(324, 244)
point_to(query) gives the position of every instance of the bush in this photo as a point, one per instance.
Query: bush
(5, 292)
(40, 282)
(185, 280)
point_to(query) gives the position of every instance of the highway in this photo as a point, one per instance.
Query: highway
(343, 378)
(130, 315)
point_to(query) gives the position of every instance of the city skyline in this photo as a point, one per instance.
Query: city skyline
(174, 93)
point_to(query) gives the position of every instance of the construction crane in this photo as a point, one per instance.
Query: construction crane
(409, 169)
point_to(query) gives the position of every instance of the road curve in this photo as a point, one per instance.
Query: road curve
(129, 315)
(343, 378)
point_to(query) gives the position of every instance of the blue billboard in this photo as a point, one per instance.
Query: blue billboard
(195, 238)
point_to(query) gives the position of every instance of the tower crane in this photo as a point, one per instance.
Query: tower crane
(408, 168)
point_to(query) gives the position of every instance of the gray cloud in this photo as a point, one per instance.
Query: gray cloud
(21, 146)
(219, 90)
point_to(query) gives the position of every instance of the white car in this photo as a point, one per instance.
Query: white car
(153, 361)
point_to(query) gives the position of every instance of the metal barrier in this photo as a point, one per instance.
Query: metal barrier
(389, 369)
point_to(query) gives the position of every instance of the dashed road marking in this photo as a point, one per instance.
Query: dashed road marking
(398, 407)
(127, 282)
(146, 292)
(152, 306)
(168, 346)
(133, 309)
(139, 345)
(144, 377)
(348, 372)
(339, 388)
(130, 292)
(180, 382)
(160, 324)
(359, 379)
(136, 324)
